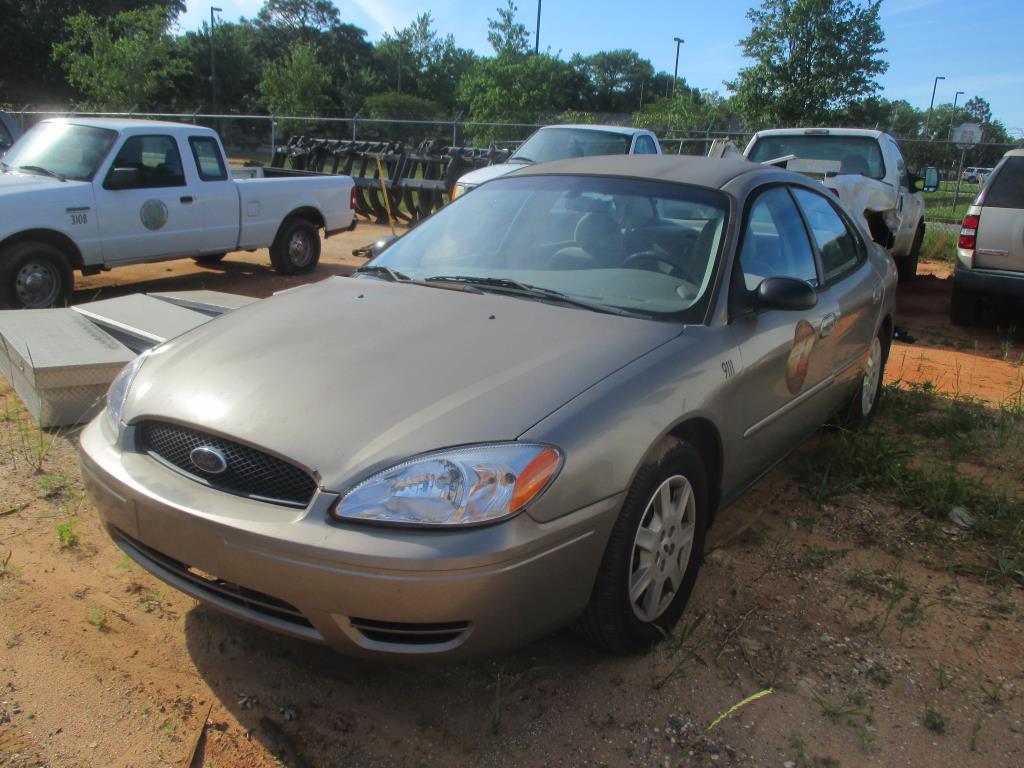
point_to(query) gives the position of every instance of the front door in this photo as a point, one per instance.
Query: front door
(787, 373)
(155, 215)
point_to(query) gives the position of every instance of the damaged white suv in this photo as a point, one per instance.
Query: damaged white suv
(866, 170)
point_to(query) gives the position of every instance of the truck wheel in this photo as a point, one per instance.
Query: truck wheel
(296, 249)
(209, 258)
(906, 266)
(653, 555)
(963, 307)
(34, 275)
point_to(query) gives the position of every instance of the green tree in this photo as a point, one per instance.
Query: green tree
(127, 61)
(614, 80)
(238, 68)
(811, 59)
(295, 84)
(507, 36)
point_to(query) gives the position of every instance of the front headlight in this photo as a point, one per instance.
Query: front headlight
(118, 391)
(459, 486)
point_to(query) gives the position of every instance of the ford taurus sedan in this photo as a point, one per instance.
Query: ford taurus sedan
(522, 414)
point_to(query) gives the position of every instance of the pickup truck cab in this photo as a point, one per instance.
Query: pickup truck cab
(91, 194)
(866, 170)
(563, 142)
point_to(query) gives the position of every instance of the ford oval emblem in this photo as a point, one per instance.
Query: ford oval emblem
(208, 460)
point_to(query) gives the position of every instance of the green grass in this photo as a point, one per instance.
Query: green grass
(67, 538)
(939, 245)
(939, 204)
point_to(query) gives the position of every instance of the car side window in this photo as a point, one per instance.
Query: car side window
(1006, 187)
(208, 159)
(901, 165)
(775, 242)
(839, 248)
(157, 160)
(644, 146)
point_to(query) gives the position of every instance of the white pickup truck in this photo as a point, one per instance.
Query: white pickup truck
(866, 170)
(91, 194)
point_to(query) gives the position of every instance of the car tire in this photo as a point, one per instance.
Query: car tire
(906, 266)
(296, 249)
(209, 258)
(643, 541)
(864, 404)
(964, 308)
(34, 275)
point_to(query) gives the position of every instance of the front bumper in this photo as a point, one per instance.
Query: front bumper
(364, 590)
(990, 282)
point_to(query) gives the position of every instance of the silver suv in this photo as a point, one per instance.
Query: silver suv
(990, 253)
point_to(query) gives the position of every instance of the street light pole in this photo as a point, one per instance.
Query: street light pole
(952, 115)
(675, 73)
(213, 61)
(536, 41)
(928, 121)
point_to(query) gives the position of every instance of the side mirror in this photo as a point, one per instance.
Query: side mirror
(381, 245)
(786, 293)
(929, 183)
(123, 178)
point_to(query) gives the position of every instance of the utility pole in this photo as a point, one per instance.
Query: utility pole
(213, 61)
(536, 41)
(675, 72)
(952, 115)
(928, 121)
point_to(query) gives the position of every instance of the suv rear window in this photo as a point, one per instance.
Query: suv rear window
(1007, 187)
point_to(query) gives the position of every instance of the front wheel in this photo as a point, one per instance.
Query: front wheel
(653, 555)
(296, 249)
(34, 275)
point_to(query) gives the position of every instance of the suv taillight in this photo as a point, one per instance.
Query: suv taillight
(352, 199)
(969, 231)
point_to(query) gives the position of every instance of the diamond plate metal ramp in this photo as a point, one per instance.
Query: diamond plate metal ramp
(59, 363)
(212, 303)
(139, 321)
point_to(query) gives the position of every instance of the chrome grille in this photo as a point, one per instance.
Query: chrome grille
(250, 472)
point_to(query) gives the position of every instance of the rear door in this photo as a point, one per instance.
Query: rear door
(216, 195)
(157, 216)
(1000, 241)
(787, 373)
(848, 285)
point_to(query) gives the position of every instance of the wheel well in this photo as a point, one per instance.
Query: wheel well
(61, 242)
(310, 213)
(887, 330)
(702, 435)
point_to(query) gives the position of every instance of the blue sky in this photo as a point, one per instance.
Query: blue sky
(975, 45)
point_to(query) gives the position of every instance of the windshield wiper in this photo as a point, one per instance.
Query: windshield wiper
(518, 288)
(389, 274)
(40, 169)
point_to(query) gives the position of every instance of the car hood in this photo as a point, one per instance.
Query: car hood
(346, 376)
(26, 187)
(479, 176)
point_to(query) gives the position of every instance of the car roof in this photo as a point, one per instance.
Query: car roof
(623, 129)
(714, 173)
(128, 125)
(875, 134)
(1015, 153)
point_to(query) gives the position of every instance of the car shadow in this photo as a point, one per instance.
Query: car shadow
(317, 701)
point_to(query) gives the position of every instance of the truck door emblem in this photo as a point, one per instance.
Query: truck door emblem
(800, 356)
(153, 214)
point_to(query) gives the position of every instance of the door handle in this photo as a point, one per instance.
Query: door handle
(186, 199)
(828, 323)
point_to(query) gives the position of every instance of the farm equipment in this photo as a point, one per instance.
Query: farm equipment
(409, 182)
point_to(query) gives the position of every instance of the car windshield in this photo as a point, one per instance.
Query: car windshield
(610, 244)
(563, 143)
(61, 149)
(855, 154)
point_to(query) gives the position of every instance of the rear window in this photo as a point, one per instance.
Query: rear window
(855, 154)
(1006, 190)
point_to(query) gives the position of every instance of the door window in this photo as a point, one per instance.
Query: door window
(775, 241)
(839, 248)
(901, 165)
(208, 159)
(644, 146)
(157, 160)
